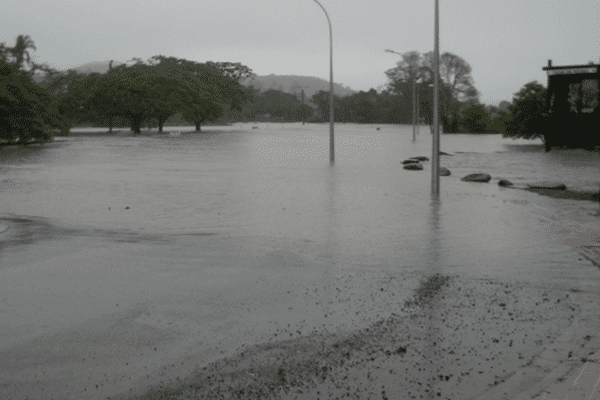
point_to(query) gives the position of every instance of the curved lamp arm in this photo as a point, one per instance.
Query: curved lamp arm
(331, 151)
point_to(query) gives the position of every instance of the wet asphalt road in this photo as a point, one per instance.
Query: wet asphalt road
(280, 325)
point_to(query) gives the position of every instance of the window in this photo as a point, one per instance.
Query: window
(574, 97)
(589, 95)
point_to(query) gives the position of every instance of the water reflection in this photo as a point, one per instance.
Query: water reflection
(434, 278)
(331, 230)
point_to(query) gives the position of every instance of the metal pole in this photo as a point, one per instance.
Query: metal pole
(302, 106)
(435, 171)
(418, 113)
(331, 149)
(414, 112)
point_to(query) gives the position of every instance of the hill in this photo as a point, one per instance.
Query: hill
(95, 66)
(295, 83)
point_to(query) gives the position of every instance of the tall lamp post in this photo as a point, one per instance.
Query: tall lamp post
(418, 109)
(435, 165)
(414, 101)
(331, 149)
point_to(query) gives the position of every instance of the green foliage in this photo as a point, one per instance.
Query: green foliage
(26, 110)
(20, 52)
(69, 96)
(275, 105)
(321, 100)
(456, 86)
(161, 87)
(528, 112)
(474, 118)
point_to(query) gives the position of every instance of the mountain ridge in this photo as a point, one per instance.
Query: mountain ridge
(295, 83)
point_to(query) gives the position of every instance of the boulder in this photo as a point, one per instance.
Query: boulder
(413, 167)
(444, 171)
(504, 182)
(547, 185)
(410, 161)
(477, 178)
(420, 158)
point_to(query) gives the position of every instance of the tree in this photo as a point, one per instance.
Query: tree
(102, 102)
(70, 95)
(408, 70)
(474, 118)
(321, 100)
(363, 106)
(528, 112)
(20, 51)
(26, 112)
(456, 85)
(455, 73)
(198, 112)
(236, 71)
(218, 92)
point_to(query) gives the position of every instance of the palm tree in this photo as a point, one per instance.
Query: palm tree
(21, 50)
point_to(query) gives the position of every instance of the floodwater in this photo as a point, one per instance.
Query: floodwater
(134, 258)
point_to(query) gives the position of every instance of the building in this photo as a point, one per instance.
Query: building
(572, 106)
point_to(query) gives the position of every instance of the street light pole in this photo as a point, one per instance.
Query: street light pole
(414, 112)
(331, 149)
(435, 165)
(418, 112)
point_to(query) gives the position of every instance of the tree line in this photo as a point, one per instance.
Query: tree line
(138, 92)
(161, 88)
(459, 106)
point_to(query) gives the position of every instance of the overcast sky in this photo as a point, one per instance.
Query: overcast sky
(506, 42)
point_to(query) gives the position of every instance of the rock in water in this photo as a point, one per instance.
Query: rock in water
(413, 167)
(477, 178)
(504, 182)
(410, 161)
(444, 171)
(547, 185)
(444, 154)
(420, 158)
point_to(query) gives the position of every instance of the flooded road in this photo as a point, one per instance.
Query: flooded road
(132, 261)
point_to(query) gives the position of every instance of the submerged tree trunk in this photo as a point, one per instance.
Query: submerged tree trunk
(136, 124)
(161, 122)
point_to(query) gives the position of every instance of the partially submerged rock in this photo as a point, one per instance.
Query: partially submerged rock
(505, 182)
(477, 178)
(420, 158)
(547, 185)
(413, 166)
(444, 171)
(441, 153)
(410, 161)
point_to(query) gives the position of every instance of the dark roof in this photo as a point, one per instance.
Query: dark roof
(570, 66)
